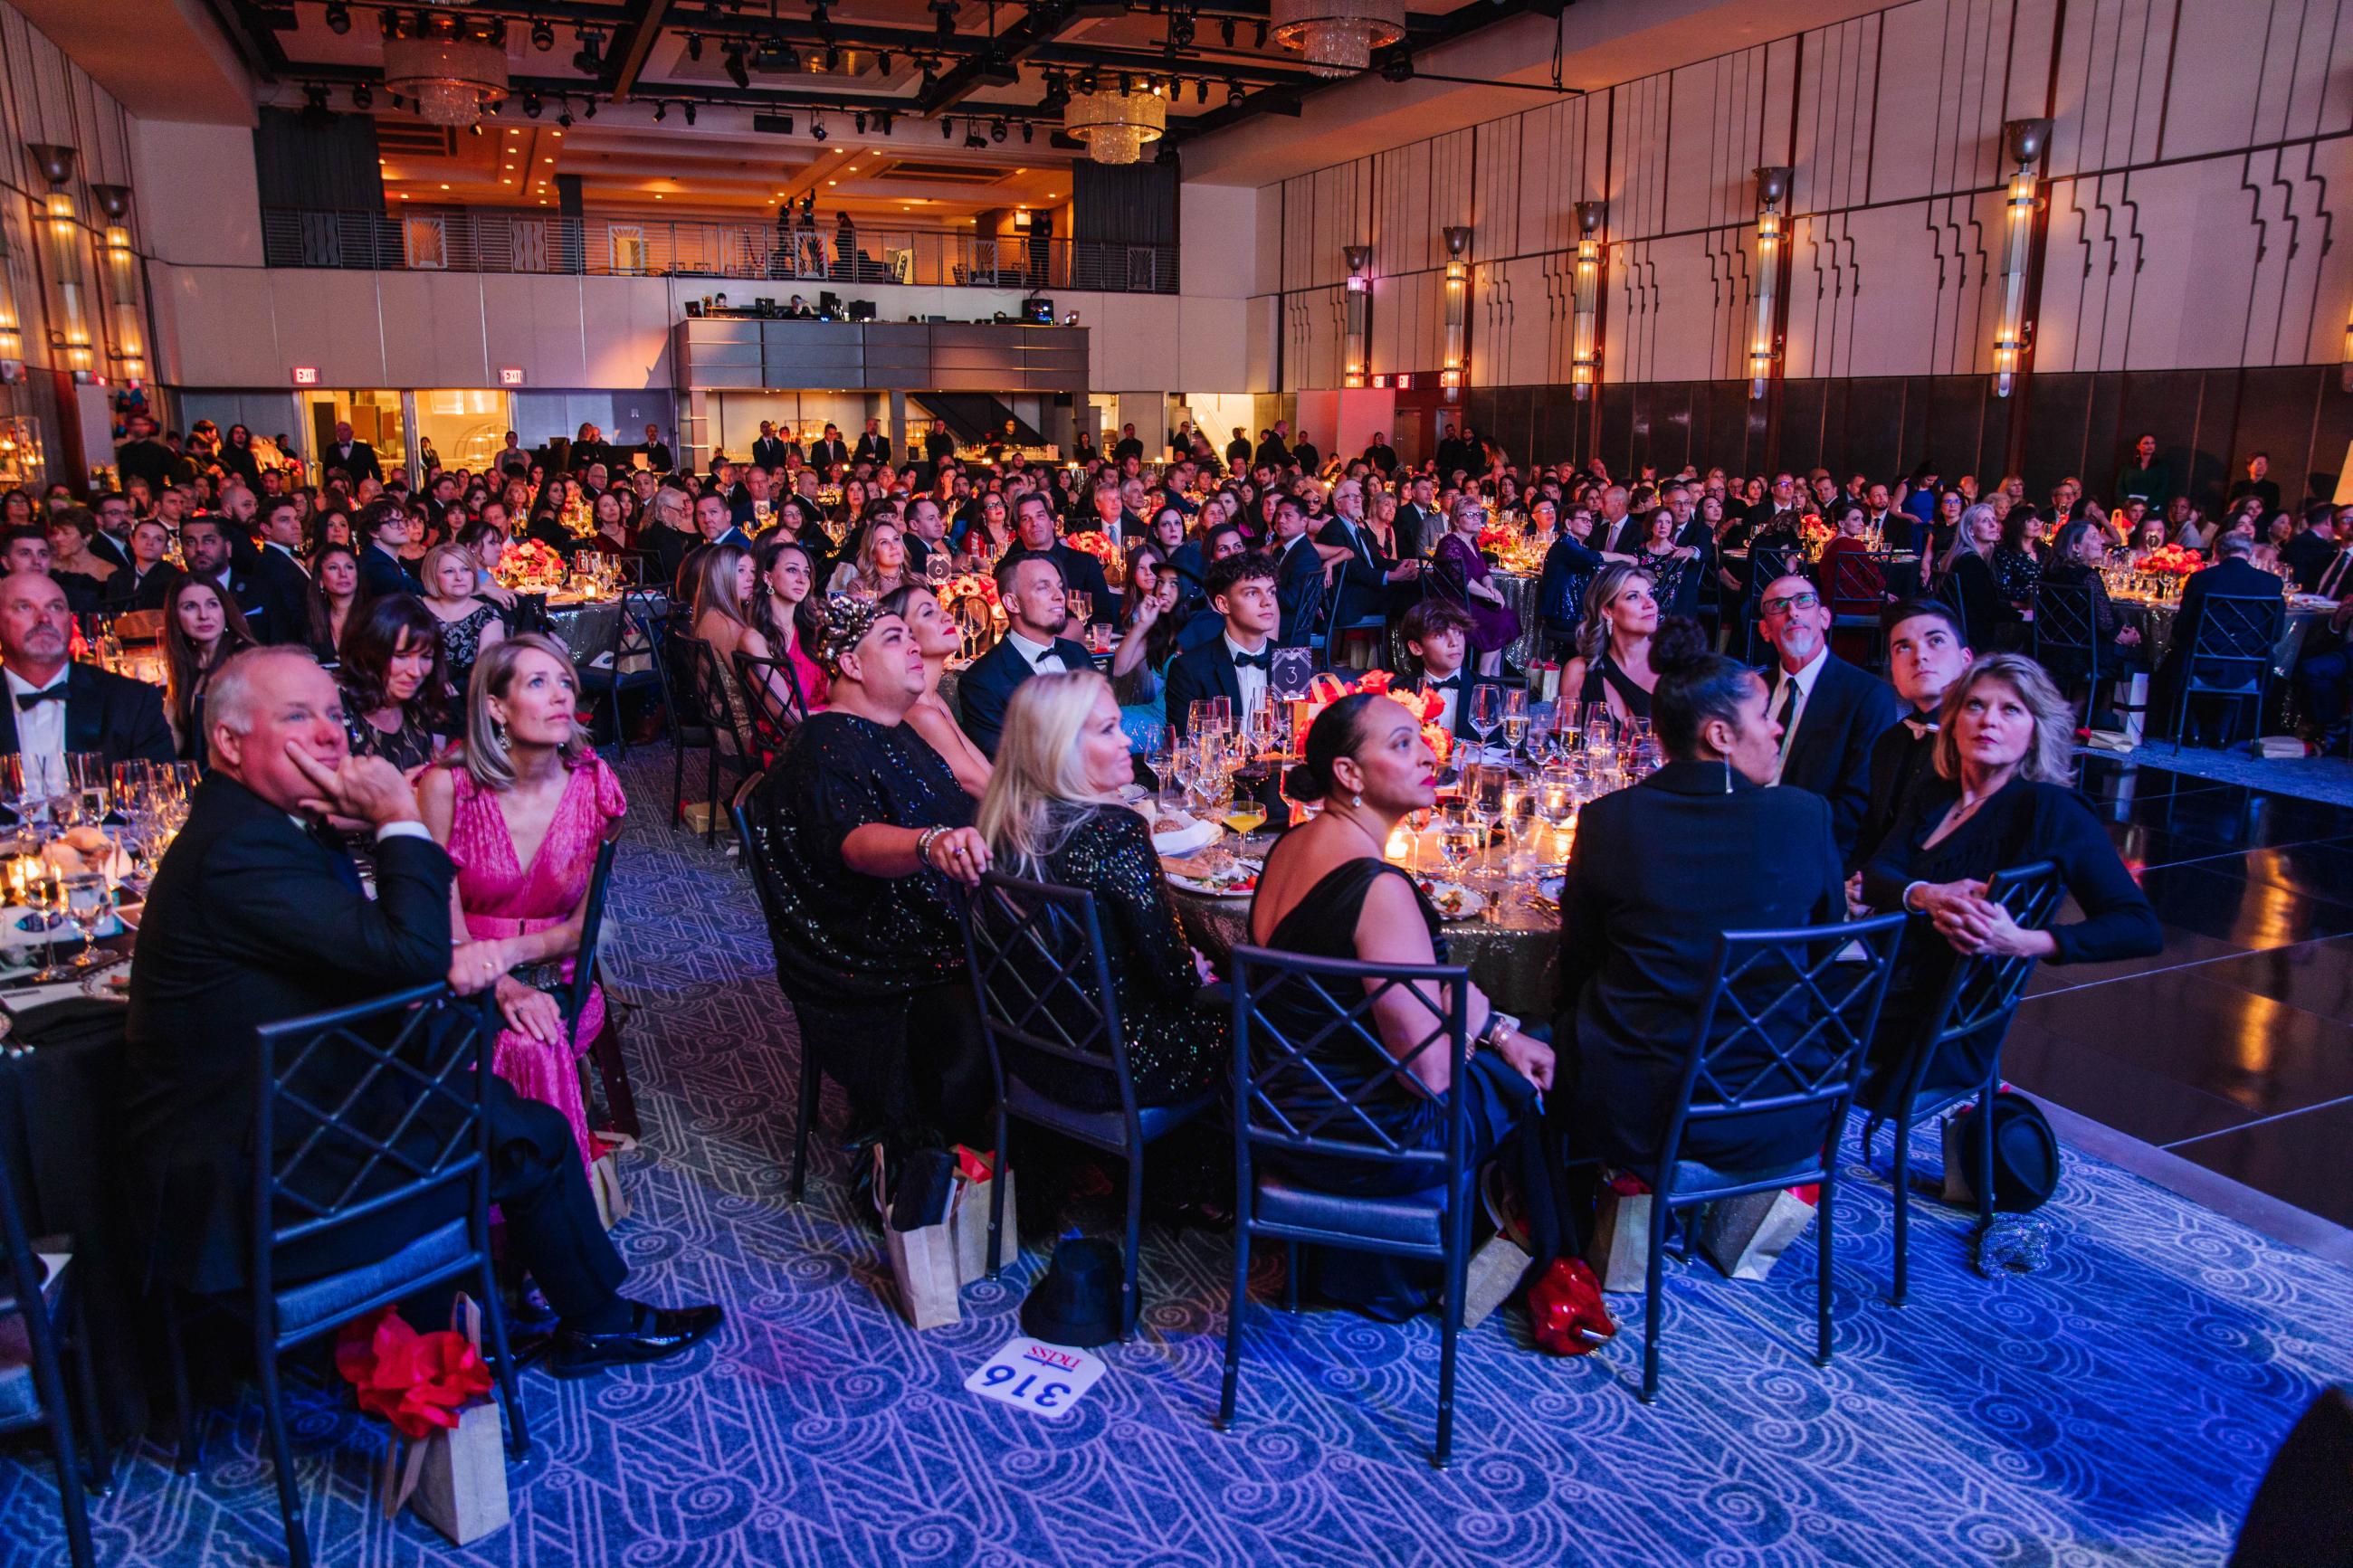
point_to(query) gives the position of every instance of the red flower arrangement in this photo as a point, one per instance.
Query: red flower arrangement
(1497, 536)
(1097, 545)
(529, 563)
(419, 1382)
(1326, 688)
(2172, 560)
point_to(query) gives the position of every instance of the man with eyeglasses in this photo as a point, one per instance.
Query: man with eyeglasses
(1831, 713)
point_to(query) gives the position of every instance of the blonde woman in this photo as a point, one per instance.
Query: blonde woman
(469, 627)
(1613, 642)
(936, 635)
(1052, 813)
(523, 810)
(881, 567)
(1966, 576)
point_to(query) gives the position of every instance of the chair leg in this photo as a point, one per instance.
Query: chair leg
(613, 1068)
(1234, 1305)
(1985, 1153)
(50, 1383)
(1902, 1177)
(1654, 1278)
(1290, 1277)
(281, 1452)
(1131, 1288)
(1450, 1332)
(99, 1461)
(997, 1200)
(184, 1409)
(1869, 1136)
(1823, 1281)
(711, 814)
(812, 1085)
(503, 1365)
(677, 781)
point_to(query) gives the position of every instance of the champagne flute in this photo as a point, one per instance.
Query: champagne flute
(43, 890)
(93, 795)
(1516, 717)
(1486, 711)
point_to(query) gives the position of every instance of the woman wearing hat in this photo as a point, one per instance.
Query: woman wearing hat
(862, 827)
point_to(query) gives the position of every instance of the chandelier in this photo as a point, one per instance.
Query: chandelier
(1115, 125)
(1337, 37)
(453, 66)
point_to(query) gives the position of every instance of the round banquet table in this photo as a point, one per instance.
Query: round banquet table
(584, 626)
(1513, 956)
(1520, 591)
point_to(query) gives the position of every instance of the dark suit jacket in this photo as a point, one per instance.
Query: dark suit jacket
(106, 547)
(361, 464)
(1299, 591)
(285, 591)
(382, 573)
(1659, 870)
(149, 592)
(251, 921)
(244, 585)
(1362, 587)
(824, 454)
(768, 451)
(659, 459)
(987, 685)
(1203, 671)
(120, 718)
(1830, 754)
(2232, 576)
(873, 449)
(1416, 529)
(1900, 765)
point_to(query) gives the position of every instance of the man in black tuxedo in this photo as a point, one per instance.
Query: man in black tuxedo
(356, 459)
(2313, 550)
(826, 452)
(873, 447)
(1033, 528)
(1437, 633)
(1236, 664)
(1830, 713)
(1299, 576)
(384, 526)
(256, 917)
(285, 581)
(658, 454)
(1030, 586)
(768, 450)
(204, 546)
(1369, 583)
(2233, 574)
(1418, 523)
(1926, 653)
(57, 706)
(143, 583)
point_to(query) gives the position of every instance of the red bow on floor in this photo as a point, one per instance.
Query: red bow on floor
(416, 1382)
(1565, 1313)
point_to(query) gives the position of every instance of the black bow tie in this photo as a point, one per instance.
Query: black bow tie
(1451, 683)
(1264, 659)
(34, 698)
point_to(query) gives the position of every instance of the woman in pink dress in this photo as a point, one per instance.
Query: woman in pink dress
(522, 813)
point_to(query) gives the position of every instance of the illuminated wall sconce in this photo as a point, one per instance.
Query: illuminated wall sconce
(12, 324)
(1454, 351)
(2345, 371)
(2025, 141)
(62, 229)
(1355, 314)
(1585, 303)
(1765, 337)
(129, 351)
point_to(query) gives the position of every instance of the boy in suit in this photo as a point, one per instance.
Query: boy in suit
(1237, 664)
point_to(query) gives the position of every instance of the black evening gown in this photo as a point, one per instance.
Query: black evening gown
(874, 966)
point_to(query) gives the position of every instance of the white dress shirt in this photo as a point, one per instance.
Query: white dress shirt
(41, 729)
(1036, 654)
(1249, 679)
(1805, 678)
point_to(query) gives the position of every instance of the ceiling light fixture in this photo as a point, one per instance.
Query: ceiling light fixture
(816, 128)
(997, 132)
(530, 106)
(590, 58)
(736, 73)
(1116, 126)
(338, 18)
(661, 111)
(972, 139)
(454, 66)
(542, 37)
(362, 96)
(694, 46)
(1337, 37)
(689, 112)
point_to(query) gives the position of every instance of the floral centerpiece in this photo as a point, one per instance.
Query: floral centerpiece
(829, 495)
(580, 519)
(1427, 707)
(529, 563)
(2172, 560)
(1497, 537)
(1814, 535)
(1100, 546)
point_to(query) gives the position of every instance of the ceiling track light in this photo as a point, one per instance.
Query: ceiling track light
(589, 110)
(542, 37)
(363, 96)
(736, 73)
(1226, 30)
(689, 112)
(694, 46)
(530, 106)
(816, 128)
(338, 18)
(997, 132)
(858, 120)
(661, 111)
(947, 129)
(1028, 131)
(1261, 36)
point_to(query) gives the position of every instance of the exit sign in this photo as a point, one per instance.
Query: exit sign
(306, 375)
(510, 375)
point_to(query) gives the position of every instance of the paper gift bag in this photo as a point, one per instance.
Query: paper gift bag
(1746, 1236)
(1958, 1191)
(1496, 1271)
(1620, 1249)
(456, 1479)
(975, 1190)
(605, 1177)
(923, 1267)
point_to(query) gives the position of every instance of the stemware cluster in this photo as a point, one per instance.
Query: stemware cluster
(84, 830)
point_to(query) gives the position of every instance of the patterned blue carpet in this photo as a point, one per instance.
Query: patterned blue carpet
(2117, 1408)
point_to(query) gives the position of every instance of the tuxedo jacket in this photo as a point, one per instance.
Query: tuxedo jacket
(768, 451)
(1900, 765)
(285, 589)
(120, 718)
(1362, 586)
(873, 449)
(1831, 753)
(1416, 529)
(1202, 671)
(988, 683)
(360, 462)
(147, 594)
(382, 573)
(824, 454)
(1298, 591)
(253, 920)
(106, 547)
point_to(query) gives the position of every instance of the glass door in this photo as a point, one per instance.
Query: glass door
(375, 418)
(465, 426)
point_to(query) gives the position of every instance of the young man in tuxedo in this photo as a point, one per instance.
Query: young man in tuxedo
(285, 580)
(826, 452)
(1437, 633)
(1926, 653)
(143, 583)
(57, 706)
(254, 917)
(1299, 575)
(1831, 713)
(1237, 664)
(1030, 586)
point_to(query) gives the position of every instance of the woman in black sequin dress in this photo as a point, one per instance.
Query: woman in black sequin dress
(1052, 813)
(859, 827)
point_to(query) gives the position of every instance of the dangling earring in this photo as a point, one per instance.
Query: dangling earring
(499, 733)
(1727, 775)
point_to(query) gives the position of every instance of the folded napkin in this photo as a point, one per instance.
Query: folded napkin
(1198, 835)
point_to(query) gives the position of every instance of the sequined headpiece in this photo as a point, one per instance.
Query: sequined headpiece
(848, 619)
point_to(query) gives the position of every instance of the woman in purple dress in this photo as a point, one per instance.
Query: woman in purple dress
(1493, 622)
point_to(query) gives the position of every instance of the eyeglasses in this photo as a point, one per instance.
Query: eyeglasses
(1793, 601)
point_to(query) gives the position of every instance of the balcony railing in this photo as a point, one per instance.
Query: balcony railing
(489, 239)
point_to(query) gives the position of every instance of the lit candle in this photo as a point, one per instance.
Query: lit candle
(1400, 844)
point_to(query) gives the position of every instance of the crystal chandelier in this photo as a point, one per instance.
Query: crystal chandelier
(1337, 37)
(453, 66)
(1115, 125)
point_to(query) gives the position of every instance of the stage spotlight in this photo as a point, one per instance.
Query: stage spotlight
(363, 96)
(661, 111)
(736, 73)
(858, 120)
(974, 140)
(338, 18)
(542, 37)
(997, 132)
(816, 128)
(689, 112)
(589, 110)
(694, 46)
(1029, 133)
(531, 106)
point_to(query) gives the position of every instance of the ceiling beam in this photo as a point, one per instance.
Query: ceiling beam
(627, 54)
(1042, 24)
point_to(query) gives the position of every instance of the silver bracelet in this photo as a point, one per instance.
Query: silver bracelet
(924, 842)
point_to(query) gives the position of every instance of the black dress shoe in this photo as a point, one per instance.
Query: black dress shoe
(655, 1334)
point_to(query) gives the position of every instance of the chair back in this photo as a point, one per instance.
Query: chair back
(1784, 1024)
(2235, 636)
(706, 678)
(1035, 951)
(635, 632)
(1856, 582)
(2066, 618)
(772, 697)
(740, 810)
(1309, 1059)
(1983, 991)
(574, 999)
(366, 1108)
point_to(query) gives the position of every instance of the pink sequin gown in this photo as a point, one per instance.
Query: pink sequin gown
(502, 899)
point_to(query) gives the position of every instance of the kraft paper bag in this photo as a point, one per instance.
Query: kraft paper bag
(968, 1218)
(457, 1479)
(1620, 1249)
(604, 1179)
(1746, 1236)
(923, 1267)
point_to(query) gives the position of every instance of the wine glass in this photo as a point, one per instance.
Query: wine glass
(1459, 840)
(1486, 711)
(37, 883)
(1516, 717)
(1222, 715)
(20, 789)
(87, 898)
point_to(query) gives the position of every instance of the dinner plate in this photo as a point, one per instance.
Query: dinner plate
(1549, 888)
(1453, 900)
(111, 983)
(1242, 889)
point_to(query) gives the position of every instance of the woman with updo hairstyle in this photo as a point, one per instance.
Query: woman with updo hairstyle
(1660, 871)
(1327, 892)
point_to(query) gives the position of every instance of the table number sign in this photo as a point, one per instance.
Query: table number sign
(1046, 1379)
(1292, 669)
